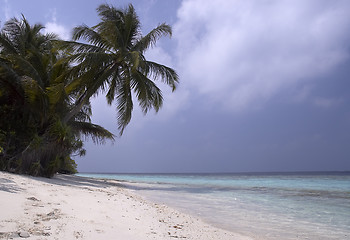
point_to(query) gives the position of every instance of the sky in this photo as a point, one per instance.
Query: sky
(264, 85)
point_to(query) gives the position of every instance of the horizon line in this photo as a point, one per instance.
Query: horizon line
(242, 172)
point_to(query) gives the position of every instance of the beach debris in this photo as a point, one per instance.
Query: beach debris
(55, 214)
(33, 199)
(24, 234)
(77, 234)
(179, 226)
(36, 232)
(37, 205)
(51, 213)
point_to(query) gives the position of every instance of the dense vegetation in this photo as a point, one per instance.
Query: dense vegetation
(46, 85)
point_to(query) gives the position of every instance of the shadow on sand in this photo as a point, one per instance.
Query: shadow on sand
(7, 185)
(72, 180)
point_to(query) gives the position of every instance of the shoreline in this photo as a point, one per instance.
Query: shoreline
(73, 207)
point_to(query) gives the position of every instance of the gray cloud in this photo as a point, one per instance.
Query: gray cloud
(242, 53)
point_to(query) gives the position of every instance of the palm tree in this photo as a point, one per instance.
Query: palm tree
(38, 89)
(46, 85)
(111, 59)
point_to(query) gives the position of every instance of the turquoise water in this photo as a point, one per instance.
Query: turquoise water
(264, 206)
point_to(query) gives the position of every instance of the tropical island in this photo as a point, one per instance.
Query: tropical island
(279, 170)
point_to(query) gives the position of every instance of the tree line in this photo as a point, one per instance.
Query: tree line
(46, 86)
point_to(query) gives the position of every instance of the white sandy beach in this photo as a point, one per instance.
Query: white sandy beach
(71, 207)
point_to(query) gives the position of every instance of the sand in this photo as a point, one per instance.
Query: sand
(72, 207)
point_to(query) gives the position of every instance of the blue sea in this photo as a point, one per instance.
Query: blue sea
(269, 206)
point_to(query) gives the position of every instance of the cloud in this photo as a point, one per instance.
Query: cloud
(242, 53)
(327, 102)
(60, 30)
(54, 27)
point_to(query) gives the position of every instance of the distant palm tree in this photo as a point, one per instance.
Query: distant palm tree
(111, 59)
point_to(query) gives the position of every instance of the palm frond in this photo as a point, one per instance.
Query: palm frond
(109, 13)
(56, 94)
(124, 104)
(166, 74)
(132, 27)
(91, 59)
(102, 79)
(113, 83)
(152, 37)
(147, 93)
(8, 72)
(135, 59)
(97, 133)
(91, 36)
(36, 97)
(6, 45)
(114, 23)
(73, 86)
(10, 82)
(26, 68)
(71, 47)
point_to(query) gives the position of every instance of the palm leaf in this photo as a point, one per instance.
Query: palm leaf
(6, 45)
(97, 133)
(147, 93)
(26, 67)
(88, 34)
(124, 104)
(56, 94)
(152, 37)
(166, 74)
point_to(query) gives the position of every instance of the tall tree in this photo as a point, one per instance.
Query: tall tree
(111, 59)
(46, 86)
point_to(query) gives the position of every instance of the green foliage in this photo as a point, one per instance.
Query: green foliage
(67, 166)
(33, 77)
(46, 85)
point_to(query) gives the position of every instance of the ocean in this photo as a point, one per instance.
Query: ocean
(268, 206)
